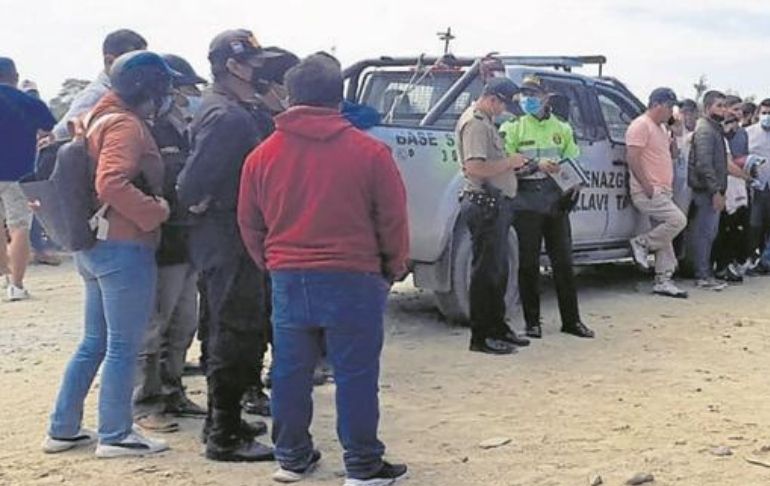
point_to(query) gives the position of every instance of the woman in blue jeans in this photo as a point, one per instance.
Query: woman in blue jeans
(119, 271)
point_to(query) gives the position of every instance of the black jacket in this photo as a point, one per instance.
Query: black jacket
(174, 149)
(223, 132)
(707, 167)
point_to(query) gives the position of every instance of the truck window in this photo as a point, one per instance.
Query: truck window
(579, 114)
(618, 114)
(390, 91)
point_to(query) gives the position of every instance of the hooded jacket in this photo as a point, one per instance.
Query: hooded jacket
(319, 194)
(125, 153)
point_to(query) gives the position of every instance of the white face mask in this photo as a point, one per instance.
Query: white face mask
(764, 120)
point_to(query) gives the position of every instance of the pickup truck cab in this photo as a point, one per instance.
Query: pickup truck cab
(420, 100)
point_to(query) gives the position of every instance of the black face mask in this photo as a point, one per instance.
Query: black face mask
(717, 118)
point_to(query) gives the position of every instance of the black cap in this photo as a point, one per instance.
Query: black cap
(504, 89)
(663, 96)
(238, 44)
(532, 83)
(275, 67)
(186, 74)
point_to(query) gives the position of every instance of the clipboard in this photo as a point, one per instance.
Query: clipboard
(570, 176)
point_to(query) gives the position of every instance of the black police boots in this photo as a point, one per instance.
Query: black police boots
(226, 441)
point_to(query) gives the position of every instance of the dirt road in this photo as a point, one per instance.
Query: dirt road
(662, 388)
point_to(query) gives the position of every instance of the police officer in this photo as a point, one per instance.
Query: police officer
(542, 211)
(486, 207)
(229, 124)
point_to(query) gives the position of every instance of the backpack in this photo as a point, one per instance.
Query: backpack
(65, 203)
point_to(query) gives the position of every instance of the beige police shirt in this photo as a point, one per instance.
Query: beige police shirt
(478, 138)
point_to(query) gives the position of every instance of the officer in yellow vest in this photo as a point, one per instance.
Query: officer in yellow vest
(541, 209)
(486, 207)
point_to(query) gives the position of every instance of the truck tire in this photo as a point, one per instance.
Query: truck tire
(455, 304)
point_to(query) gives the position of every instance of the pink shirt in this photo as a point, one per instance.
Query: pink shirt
(656, 156)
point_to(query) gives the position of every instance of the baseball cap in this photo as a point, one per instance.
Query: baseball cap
(239, 44)
(663, 96)
(504, 89)
(532, 83)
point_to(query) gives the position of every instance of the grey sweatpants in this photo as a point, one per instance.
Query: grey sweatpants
(169, 335)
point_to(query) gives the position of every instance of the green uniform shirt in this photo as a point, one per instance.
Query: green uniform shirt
(478, 138)
(536, 139)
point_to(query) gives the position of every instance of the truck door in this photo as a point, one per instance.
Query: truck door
(590, 217)
(618, 111)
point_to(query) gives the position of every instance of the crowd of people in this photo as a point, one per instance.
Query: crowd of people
(251, 211)
(254, 212)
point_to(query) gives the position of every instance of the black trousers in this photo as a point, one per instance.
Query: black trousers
(489, 230)
(733, 242)
(760, 219)
(203, 324)
(238, 298)
(533, 228)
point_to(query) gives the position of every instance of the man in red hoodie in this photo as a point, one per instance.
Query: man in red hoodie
(323, 208)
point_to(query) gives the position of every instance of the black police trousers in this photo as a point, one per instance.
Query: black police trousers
(489, 229)
(532, 228)
(237, 295)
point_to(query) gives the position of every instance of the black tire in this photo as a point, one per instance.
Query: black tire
(455, 304)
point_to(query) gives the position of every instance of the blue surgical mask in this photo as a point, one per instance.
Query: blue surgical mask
(193, 104)
(764, 121)
(530, 105)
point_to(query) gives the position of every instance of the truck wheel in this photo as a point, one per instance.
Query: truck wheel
(455, 304)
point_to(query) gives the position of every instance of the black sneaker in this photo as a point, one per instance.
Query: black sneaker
(387, 475)
(256, 402)
(285, 475)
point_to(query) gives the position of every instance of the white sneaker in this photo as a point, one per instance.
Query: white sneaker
(667, 288)
(711, 284)
(640, 252)
(16, 294)
(134, 444)
(282, 475)
(83, 438)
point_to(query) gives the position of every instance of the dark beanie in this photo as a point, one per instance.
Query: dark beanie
(315, 81)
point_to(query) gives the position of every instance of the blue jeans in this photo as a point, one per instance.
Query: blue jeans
(705, 226)
(120, 287)
(343, 311)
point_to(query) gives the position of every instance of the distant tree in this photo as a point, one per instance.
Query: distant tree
(750, 99)
(700, 87)
(69, 89)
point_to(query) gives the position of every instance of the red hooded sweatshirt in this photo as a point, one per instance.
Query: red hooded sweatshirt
(320, 194)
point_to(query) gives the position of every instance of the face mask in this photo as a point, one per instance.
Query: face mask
(717, 118)
(193, 106)
(530, 105)
(764, 121)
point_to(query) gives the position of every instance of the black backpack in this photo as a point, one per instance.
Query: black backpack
(66, 202)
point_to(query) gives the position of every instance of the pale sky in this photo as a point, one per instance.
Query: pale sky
(648, 43)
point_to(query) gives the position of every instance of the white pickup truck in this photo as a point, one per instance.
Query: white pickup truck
(421, 99)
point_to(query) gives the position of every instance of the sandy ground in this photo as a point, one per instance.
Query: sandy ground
(664, 384)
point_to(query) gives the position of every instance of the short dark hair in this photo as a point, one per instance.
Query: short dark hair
(765, 103)
(748, 108)
(732, 100)
(712, 97)
(315, 81)
(122, 41)
(688, 105)
(8, 73)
